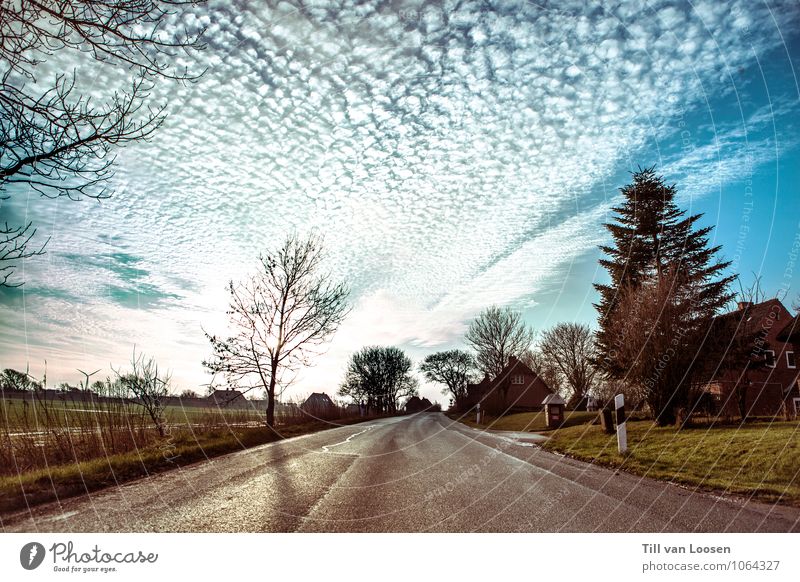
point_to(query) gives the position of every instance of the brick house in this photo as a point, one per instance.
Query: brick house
(765, 382)
(516, 389)
(320, 405)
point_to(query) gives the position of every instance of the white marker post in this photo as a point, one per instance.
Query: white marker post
(478, 418)
(622, 431)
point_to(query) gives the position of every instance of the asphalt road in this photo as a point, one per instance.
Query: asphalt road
(408, 474)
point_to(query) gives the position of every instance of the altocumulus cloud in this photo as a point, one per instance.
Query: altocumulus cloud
(452, 153)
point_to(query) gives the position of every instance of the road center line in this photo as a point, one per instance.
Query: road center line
(347, 440)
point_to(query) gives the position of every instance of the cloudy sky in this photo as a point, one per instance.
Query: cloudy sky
(453, 155)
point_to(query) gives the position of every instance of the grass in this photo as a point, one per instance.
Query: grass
(761, 459)
(525, 421)
(179, 449)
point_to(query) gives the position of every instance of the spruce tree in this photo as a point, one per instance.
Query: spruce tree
(666, 286)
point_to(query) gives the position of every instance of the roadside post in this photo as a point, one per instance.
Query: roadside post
(622, 431)
(478, 419)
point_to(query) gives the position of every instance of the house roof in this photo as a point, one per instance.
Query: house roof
(753, 318)
(318, 399)
(791, 331)
(553, 399)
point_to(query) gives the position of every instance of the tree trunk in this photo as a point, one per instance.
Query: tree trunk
(271, 399)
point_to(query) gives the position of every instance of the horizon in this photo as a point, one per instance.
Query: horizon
(451, 163)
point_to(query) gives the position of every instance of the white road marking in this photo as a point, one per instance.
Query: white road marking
(347, 440)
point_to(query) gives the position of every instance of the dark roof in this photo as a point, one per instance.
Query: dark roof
(791, 331)
(752, 317)
(318, 399)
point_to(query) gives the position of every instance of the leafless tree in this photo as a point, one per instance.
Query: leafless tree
(454, 369)
(497, 334)
(280, 317)
(55, 139)
(148, 388)
(666, 342)
(545, 369)
(14, 246)
(570, 348)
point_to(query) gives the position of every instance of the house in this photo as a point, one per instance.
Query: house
(320, 405)
(764, 379)
(226, 398)
(417, 404)
(516, 389)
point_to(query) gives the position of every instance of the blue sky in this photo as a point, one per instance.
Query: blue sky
(453, 154)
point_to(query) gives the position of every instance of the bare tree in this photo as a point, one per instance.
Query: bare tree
(454, 369)
(570, 348)
(14, 241)
(497, 334)
(665, 340)
(148, 387)
(56, 140)
(279, 317)
(545, 369)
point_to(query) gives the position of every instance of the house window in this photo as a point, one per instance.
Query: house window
(517, 379)
(790, 361)
(769, 358)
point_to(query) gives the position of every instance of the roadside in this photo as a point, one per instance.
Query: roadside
(759, 460)
(523, 421)
(35, 487)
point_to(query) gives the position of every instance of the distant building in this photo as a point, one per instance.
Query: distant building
(417, 404)
(320, 405)
(226, 398)
(516, 389)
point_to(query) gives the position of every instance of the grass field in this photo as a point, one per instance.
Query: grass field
(19, 415)
(524, 421)
(760, 459)
(57, 448)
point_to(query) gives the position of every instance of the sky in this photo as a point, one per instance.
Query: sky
(453, 155)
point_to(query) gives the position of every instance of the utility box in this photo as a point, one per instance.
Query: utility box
(553, 410)
(607, 420)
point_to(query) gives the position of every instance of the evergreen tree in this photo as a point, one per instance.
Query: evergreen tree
(666, 286)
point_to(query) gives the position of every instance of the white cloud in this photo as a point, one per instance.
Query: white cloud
(447, 156)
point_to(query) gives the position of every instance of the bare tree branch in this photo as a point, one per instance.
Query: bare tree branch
(280, 318)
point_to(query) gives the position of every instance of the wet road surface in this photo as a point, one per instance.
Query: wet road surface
(408, 474)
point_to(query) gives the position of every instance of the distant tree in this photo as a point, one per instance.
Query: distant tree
(570, 348)
(189, 394)
(665, 290)
(380, 377)
(496, 335)
(546, 369)
(11, 379)
(148, 388)
(454, 369)
(56, 138)
(280, 317)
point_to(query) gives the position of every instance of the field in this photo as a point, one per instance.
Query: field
(55, 448)
(759, 459)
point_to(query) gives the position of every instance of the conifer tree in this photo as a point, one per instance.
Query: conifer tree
(666, 286)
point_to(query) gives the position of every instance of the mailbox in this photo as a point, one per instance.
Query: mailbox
(553, 410)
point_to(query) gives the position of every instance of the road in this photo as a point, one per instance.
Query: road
(408, 474)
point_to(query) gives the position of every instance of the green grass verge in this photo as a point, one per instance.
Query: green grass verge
(524, 421)
(760, 459)
(177, 450)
